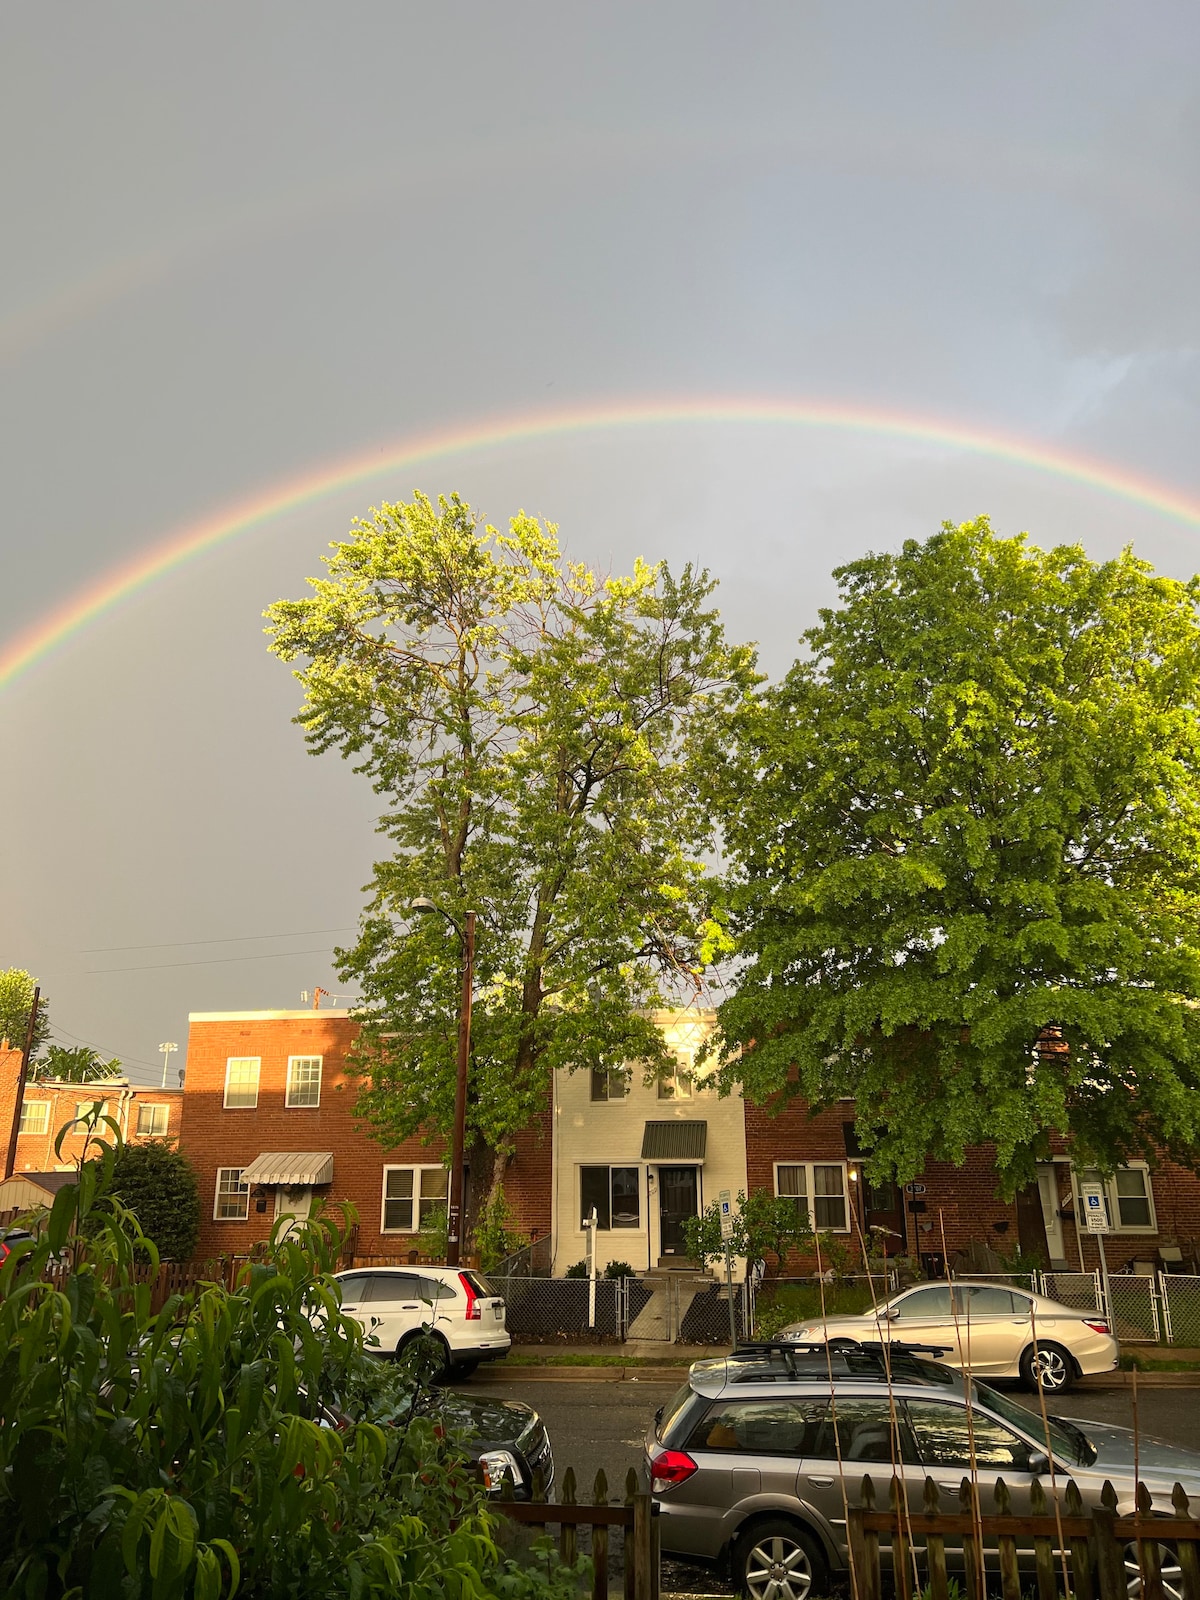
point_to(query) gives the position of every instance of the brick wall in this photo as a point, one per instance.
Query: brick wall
(35, 1151)
(214, 1136)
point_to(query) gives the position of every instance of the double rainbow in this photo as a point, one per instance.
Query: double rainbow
(123, 582)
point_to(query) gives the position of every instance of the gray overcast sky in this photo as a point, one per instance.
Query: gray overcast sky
(243, 241)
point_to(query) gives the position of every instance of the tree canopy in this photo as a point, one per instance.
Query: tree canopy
(968, 822)
(16, 1001)
(537, 731)
(79, 1065)
(155, 1180)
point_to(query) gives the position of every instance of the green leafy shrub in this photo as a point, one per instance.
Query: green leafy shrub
(578, 1269)
(619, 1269)
(183, 1454)
(494, 1239)
(778, 1305)
(157, 1183)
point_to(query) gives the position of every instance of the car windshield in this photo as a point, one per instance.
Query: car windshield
(1067, 1442)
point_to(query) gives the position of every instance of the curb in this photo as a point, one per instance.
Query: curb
(1145, 1380)
(550, 1374)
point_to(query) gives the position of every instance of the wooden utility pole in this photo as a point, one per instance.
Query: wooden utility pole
(19, 1100)
(454, 1208)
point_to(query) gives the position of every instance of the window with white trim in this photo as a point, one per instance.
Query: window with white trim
(304, 1081)
(609, 1083)
(410, 1195)
(614, 1193)
(818, 1189)
(241, 1082)
(84, 1109)
(35, 1116)
(232, 1203)
(152, 1120)
(1128, 1198)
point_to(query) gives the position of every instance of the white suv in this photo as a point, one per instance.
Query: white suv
(395, 1305)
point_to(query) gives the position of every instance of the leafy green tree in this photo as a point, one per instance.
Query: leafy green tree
(965, 832)
(763, 1224)
(537, 732)
(184, 1454)
(155, 1180)
(16, 1001)
(79, 1065)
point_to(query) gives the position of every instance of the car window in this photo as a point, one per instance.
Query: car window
(353, 1287)
(944, 1438)
(389, 1287)
(867, 1430)
(763, 1427)
(435, 1289)
(479, 1284)
(979, 1300)
(931, 1302)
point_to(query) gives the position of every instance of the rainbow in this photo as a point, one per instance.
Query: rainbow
(123, 582)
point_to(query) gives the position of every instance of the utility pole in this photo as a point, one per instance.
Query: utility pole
(19, 1100)
(458, 1155)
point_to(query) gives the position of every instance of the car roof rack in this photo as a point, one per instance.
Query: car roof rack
(868, 1359)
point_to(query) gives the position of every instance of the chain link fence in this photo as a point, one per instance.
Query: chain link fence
(1179, 1294)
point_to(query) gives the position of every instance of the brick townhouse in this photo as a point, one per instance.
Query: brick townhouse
(49, 1106)
(269, 1122)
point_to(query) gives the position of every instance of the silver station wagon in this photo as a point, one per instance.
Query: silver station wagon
(744, 1460)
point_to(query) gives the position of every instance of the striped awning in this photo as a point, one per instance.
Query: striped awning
(675, 1141)
(290, 1169)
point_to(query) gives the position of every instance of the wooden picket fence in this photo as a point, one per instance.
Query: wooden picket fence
(1085, 1550)
(635, 1517)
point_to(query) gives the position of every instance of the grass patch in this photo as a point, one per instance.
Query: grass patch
(1156, 1364)
(801, 1302)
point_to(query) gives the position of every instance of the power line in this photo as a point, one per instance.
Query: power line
(63, 1033)
(211, 961)
(233, 938)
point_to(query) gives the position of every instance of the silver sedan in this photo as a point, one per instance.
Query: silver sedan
(992, 1330)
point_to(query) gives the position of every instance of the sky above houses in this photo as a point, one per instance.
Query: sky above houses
(784, 257)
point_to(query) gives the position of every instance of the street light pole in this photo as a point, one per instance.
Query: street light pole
(166, 1051)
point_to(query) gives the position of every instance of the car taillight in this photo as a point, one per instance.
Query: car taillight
(1096, 1327)
(473, 1312)
(670, 1467)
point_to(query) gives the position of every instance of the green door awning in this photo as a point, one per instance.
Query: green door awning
(675, 1141)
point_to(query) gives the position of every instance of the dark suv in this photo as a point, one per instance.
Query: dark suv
(755, 1459)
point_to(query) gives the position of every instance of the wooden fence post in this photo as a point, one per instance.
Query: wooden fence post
(935, 1548)
(600, 1541)
(1043, 1548)
(568, 1535)
(629, 1552)
(1110, 1563)
(1084, 1558)
(1147, 1550)
(902, 1574)
(968, 1500)
(1189, 1565)
(1010, 1579)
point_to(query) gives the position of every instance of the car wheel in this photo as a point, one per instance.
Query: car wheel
(1168, 1566)
(778, 1560)
(1050, 1363)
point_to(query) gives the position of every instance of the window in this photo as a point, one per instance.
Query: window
(931, 1302)
(677, 1085)
(819, 1192)
(304, 1081)
(152, 1120)
(233, 1196)
(1128, 1199)
(406, 1188)
(942, 1439)
(86, 1109)
(767, 1427)
(609, 1083)
(35, 1116)
(615, 1195)
(974, 1300)
(241, 1082)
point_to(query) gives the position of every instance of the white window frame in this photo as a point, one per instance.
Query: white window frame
(610, 1167)
(239, 1189)
(1111, 1200)
(810, 1187)
(611, 1076)
(154, 1107)
(84, 1108)
(416, 1168)
(238, 1061)
(303, 1105)
(34, 1105)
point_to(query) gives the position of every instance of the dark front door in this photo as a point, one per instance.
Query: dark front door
(677, 1200)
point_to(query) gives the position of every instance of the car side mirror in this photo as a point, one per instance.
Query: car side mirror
(1038, 1461)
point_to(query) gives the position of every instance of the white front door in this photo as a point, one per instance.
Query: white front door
(293, 1204)
(1047, 1175)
